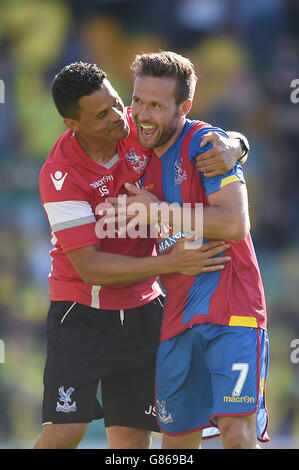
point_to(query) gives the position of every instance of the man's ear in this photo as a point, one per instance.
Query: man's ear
(185, 107)
(71, 124)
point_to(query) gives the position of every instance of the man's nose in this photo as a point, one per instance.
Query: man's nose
(143, 114)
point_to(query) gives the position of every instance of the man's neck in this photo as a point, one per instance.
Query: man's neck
(101, 153)
(159, 151)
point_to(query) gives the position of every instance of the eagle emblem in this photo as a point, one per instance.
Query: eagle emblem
(138, 162)
(180, 175)
(65, 398)
(163, 416)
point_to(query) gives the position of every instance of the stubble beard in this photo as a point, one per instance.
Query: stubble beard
(161, 139)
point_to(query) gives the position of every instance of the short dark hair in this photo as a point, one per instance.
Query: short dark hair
(168, 64)
(71, 83)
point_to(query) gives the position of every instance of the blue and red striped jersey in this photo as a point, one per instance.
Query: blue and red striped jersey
(233, 296)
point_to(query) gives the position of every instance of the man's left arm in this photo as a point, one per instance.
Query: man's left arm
(225, 218)
(223, 153)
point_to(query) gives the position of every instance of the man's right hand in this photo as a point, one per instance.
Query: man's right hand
(191, 262)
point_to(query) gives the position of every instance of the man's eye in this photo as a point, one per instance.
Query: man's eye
(156, 106)
(101, 115)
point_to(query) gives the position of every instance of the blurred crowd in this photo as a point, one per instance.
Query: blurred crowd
(246, 54)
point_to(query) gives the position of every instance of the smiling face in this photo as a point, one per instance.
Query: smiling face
(101, 117)
(158, 119)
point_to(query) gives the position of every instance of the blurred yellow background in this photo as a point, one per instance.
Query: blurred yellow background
(246, 53)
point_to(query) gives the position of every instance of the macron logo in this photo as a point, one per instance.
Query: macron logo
(58, 180)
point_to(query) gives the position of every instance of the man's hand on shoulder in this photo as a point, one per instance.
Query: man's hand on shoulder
(223, 155)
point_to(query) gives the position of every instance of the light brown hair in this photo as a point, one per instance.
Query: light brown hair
(171, 65)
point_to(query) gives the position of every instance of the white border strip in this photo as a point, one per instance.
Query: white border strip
(67, 312)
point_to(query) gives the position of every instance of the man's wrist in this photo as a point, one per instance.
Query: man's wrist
(243, 145)
(245, 149)
(168, 265)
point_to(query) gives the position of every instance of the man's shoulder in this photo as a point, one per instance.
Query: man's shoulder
(196, 130)
(191, 136)
(59, 175)
(196, 124)
(199, 128)
(60, 151)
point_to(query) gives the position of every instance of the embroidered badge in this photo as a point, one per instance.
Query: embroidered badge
(65, 398)
(180, 175)
(138, 162)
(163, 416)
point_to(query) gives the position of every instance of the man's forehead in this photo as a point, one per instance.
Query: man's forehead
(100, 97)
(155, 86)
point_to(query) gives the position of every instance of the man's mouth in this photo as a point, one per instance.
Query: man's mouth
(148, 130)
(119, 126)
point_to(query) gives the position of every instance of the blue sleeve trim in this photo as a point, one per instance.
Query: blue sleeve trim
(211, 185)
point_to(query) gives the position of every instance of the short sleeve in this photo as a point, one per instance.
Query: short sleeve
(215, 183)
(67, 208)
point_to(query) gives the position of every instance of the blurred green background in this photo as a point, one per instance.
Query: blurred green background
(246, 53)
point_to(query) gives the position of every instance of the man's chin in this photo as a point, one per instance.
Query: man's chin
(147, 143)
(124, 133)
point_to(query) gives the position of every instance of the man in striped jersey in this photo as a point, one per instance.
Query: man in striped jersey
(212, 362)
(106, 305)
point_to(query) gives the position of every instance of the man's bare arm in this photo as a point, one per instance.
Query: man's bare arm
(226, 217)
(100, 268)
